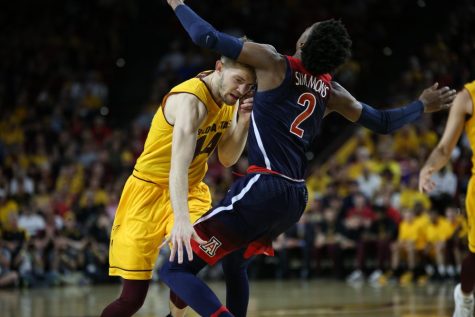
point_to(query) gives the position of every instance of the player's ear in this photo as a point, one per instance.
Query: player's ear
(219, 66)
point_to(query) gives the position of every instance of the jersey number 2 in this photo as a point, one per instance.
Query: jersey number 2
(308, 101)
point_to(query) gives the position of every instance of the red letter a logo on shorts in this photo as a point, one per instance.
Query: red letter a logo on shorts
(211, 246)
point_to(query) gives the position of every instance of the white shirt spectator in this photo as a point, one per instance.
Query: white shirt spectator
(25, 182)
(445, 183)
(369, 183)
(32, 223)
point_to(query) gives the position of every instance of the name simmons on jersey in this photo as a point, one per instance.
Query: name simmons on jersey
(312, 82)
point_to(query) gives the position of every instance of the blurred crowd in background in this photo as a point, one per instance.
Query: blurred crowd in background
(66, 150)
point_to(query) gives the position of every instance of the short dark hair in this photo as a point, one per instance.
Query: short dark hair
(327, 47)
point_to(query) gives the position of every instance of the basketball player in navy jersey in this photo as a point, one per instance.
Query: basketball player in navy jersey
(294, 94)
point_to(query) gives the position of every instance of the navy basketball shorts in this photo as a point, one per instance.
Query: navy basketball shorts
(257, 209)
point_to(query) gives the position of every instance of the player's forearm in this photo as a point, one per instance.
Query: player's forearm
(178, 182)
(230, 150)
(387, 121)
(438, 158)
(204, 34)
(183, 147)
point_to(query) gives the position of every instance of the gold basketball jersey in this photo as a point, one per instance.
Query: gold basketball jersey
(154, 162)
(470, 124)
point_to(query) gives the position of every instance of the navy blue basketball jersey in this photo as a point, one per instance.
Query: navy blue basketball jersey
(285, 120)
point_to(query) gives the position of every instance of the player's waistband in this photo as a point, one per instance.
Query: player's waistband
(145, 178)
(138, 175)
(254, 169)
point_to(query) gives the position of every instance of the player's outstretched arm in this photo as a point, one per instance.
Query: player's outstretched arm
(260, 56)
(187, 113)
(453, 129)
(386, 121)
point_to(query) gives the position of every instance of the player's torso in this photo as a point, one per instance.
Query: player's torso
(154, 162)
(285, 121)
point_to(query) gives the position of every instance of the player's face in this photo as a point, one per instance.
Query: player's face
(236, 81)
(304, 36)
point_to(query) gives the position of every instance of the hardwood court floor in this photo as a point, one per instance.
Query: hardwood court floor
(268, 298)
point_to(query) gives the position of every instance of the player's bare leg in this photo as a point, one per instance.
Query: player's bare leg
(177, 312)
(177, 306)
(463, 292)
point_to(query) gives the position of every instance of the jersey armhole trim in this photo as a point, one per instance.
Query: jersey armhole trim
(469, 116)
(175, 93)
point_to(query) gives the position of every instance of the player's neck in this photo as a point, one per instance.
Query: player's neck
(298, 54)
(211, 82)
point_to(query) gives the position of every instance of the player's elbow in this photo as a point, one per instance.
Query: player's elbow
(226, 162)
(376, 120)
(225, 159)
(387, 125)
(383, 129)
(387, 130)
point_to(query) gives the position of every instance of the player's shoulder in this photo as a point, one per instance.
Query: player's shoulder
(192, 90)
(183, 96)
(463, 103)
(191, 84)
(271, 48)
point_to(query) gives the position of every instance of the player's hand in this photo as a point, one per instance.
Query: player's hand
(245, 108)
(181, 235)
(175, 3)
(246, 103)
(426, 184)
(435, 99)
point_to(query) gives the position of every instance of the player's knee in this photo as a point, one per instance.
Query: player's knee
(165, 272)
(169, 269)
(235, 262)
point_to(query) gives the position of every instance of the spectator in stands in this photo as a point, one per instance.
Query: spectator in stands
(297, 245)
(331, 242)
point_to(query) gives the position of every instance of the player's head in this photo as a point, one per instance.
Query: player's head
(324, 46)
(234, 79)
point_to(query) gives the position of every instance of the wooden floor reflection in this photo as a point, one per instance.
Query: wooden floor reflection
(270, 298)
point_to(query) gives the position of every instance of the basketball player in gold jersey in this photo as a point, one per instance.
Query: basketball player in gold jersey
(166, 188)
(461, 116)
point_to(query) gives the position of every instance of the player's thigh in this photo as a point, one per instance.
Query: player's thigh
(139, 228)
(199, 201)
(470, 208)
